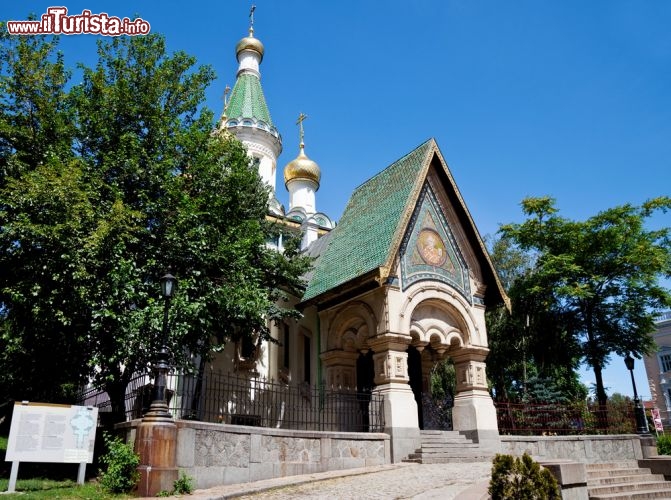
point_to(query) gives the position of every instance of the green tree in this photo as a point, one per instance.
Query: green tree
(137, 185)
(508, 353)
(526, 343)
(41, 196)
(597, 279)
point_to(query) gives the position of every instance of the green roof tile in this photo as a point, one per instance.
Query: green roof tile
(362, 240)
(247, 100)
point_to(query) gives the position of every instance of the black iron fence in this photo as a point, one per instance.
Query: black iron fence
(244, 400)
(536, 419)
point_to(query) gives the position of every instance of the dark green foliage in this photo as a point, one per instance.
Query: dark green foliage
(594, 286)
(521, 479)
(120, 475)
(104, 186)
(183, 485)
(664, 444)
(443, 380)
(543, 390)
(35, 137)
(527, 344)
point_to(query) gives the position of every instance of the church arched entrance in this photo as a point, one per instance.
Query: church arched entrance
(416, 380)
(438, 400)
(432, 380)
(365, 375)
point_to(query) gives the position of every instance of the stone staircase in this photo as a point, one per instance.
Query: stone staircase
(440, 447)
(625, 480)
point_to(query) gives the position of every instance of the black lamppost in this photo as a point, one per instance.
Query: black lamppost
(639, 411)
(161, 365)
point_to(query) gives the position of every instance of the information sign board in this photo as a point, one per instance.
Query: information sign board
(52, 433)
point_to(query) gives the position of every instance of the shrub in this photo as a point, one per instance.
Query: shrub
(121, 474)
(664, 444)
(521, 479)
(183, 485)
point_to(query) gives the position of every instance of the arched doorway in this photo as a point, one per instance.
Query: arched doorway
(365, 373)
(439, 399)
(433, 382)
(416, 382)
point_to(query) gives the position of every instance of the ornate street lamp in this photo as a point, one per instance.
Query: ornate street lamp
(639, 411)
(161, 365)
(156, 435)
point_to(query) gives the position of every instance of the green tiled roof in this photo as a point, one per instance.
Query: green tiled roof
(361, 242)
(247, 100)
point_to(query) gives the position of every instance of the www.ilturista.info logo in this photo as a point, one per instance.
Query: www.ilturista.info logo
(57, 22)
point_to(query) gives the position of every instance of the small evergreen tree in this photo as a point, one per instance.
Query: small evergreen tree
(515, 478)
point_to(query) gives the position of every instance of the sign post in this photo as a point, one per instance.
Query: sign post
(42, 432)
(657, 420)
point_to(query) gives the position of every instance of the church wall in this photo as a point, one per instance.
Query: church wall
(263, 146)
(215, 454)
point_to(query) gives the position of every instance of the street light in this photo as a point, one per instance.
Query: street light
(639, 411)
(161, 365)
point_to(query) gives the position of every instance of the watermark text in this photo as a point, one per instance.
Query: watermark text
(56, 21)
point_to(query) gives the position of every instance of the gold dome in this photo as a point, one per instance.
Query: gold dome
(302, 167)
(249, 43)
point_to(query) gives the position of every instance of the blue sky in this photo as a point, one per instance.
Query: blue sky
(527, 98)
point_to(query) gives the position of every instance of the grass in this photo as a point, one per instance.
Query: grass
(37, 488)
(29, 489)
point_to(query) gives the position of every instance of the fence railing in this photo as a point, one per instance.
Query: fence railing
(534, 419)
(243, 400)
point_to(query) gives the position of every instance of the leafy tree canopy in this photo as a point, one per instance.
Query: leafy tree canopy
(105, 186)
(596, 280)
(527, 345)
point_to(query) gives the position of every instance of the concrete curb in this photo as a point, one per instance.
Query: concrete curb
(244, 489)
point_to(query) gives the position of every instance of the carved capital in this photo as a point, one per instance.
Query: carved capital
(471, 375)
(389, 342)
(390, 366)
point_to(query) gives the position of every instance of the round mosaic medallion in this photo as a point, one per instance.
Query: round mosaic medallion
(431, 247)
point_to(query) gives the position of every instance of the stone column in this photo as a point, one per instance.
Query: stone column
(392, 383)
(474, 413)
(340, 367)
(340, 372)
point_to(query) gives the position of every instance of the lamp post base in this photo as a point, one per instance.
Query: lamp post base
(641, 420)
(156, 443)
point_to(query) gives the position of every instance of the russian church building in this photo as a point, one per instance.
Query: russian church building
(399, 284)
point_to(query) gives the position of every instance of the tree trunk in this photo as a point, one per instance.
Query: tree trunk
(117, 394)
(601, 395)
(602, 398)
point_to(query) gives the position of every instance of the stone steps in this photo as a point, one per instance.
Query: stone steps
(625, 480)
(446, 447)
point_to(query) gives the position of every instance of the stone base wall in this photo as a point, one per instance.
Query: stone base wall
(215, 454)
(586, 449)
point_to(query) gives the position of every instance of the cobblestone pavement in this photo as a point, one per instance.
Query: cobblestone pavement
(398, 481)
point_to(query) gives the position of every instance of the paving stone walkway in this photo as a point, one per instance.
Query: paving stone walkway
(467, 481)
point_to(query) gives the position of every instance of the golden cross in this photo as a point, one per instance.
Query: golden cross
(227, 91)
(299, 122)
(251, 16)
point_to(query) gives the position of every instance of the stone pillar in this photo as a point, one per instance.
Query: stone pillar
(156, 443)
(340, 367)
(474, 413)
(392, 383)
